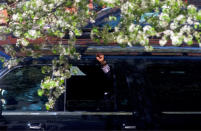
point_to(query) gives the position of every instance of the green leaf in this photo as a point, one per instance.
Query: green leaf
(2, 59)
(77, 32)
(190, 42)
(54, 51)
(40, 92)
(95, 30)
(61, 82)
(199, 16)
(47, 106)
(112, 18)
(24, 8)
(69, 3)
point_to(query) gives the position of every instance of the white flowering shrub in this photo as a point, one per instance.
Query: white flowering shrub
(33, 19)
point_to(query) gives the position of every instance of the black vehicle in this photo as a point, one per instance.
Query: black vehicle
(83, 106)
(146, 91)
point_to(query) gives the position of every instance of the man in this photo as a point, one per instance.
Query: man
(146, 106)
(108, 92)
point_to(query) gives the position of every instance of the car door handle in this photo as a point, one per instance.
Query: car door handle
(36, 126)
(128, 127)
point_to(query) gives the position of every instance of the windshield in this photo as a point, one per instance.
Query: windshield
(103, 18)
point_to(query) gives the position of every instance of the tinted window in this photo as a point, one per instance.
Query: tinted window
(21, 87)
(177, 86)
(86, 92)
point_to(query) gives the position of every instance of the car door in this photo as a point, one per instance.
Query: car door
(91, 101)
(23, 109)
(176, 83)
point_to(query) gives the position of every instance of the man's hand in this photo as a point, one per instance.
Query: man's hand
(105, 66)
(100, 58)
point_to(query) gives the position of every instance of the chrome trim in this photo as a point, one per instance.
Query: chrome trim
(116, 49)
(182, 113)
(34, 127)
(130, 127)
(76, 113)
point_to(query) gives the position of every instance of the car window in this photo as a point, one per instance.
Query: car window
(21, 87)
(86, 92)
(177, 86)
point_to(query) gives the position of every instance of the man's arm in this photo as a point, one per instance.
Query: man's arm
(105, 66)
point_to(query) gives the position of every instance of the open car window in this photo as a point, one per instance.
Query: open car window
(86, 92)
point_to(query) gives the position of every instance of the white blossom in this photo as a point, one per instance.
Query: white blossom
(186, 29)
(131, 27)
(71, 34)
(22, 42)
(165, 7)
(163, 24)
(144, 4)
(109, 1)
(51, 6)
(180, 17)
(162, 41)
(77, 1)
(188, 38)
(125, 7)
(163, 16)
(57, 73)
(15, 17)
(173, 26)
(17, 33)
(45, 8)
(130, 44)
(24, 14)
(168, 32)
(120, 39)
(196, 34)
(39, 3)
(32, 33)
(116, 29)
(191, 7)
(189, 21)
(176, 39)
(147, 28)
(92, 20)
